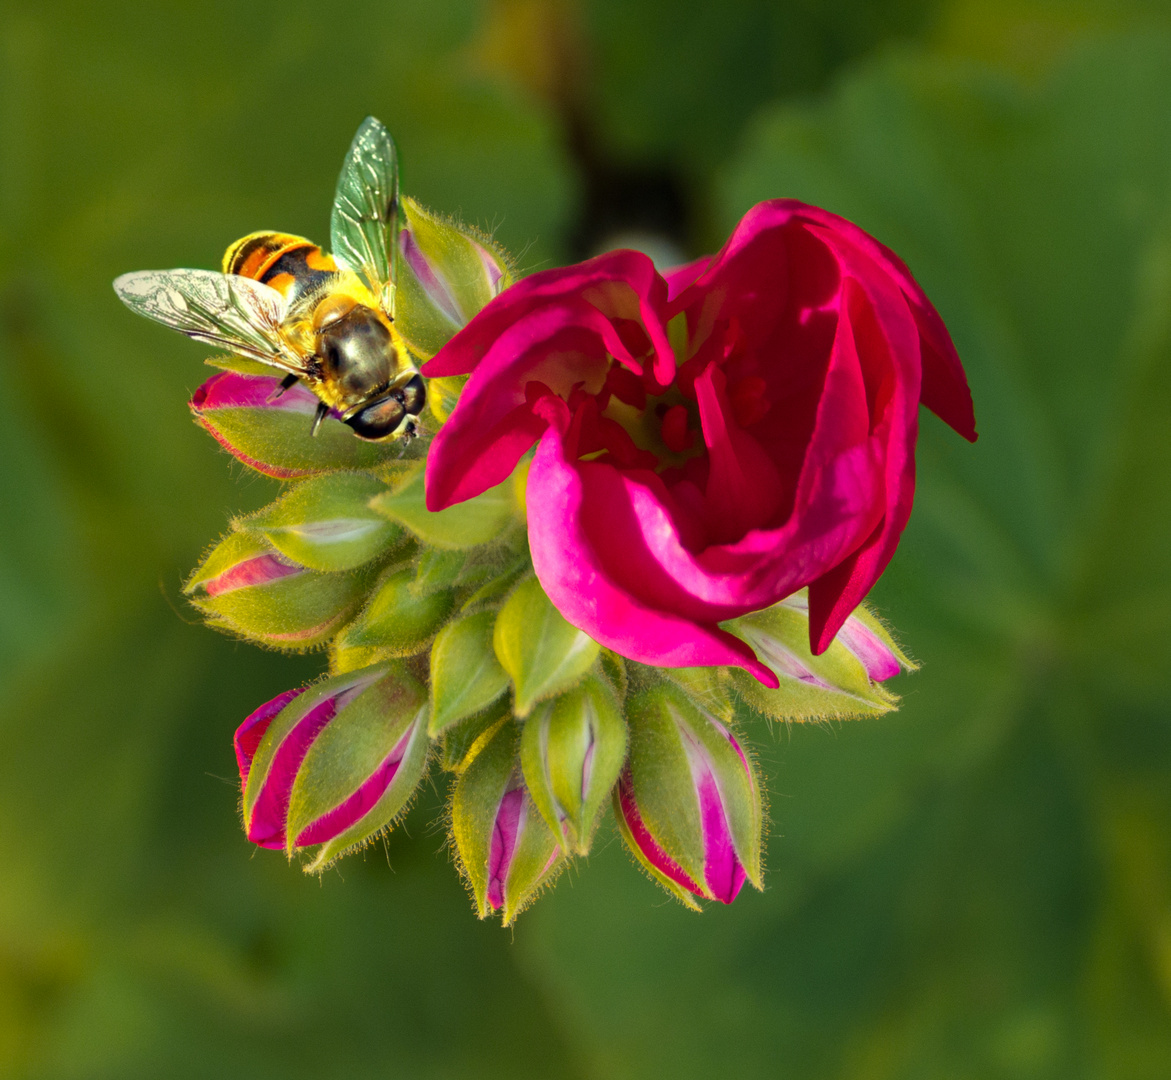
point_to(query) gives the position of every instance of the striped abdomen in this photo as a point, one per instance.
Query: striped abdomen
(292, 265)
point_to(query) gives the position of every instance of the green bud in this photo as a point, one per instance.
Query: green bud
(706, 685)
(244, 585)
(841, 682)
(542, 653)
(492, 581)
(398, 618)
(345, 658)
(326, 522)
(614, 668)
(505, 849)
(446, 273)
(466, 677)
(572, 750)
(467, 524)
(464, 739)
(437, 569)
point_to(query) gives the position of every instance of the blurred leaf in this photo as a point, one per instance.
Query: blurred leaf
(141, 938)
(681, 79)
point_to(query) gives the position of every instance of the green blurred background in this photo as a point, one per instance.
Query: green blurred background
(977, 886)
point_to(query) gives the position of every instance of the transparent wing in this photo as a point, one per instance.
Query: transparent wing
(225, 310)
(363, 228)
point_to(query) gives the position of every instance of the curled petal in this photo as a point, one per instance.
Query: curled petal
(495, 422)
(580, 584)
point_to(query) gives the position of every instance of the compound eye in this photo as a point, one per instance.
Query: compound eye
(413, 395)
(378, 421)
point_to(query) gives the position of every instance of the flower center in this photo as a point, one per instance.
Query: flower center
(693, 433)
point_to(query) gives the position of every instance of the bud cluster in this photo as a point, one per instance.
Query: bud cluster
(444, 649)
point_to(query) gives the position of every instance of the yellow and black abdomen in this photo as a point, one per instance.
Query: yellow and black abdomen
(292, 265)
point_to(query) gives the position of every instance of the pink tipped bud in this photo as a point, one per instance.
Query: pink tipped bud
(246, 586)
(270, 430)
(251, 572)
(688, 804)
(572, 750)
(506, 850)
(447, 273)
(845, 680)
(334, 764)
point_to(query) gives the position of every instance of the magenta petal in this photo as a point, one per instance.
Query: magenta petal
(743, 488)
(870, 649)
(505, 834)
(473, 461)
(722, 871)
(549, 290)
(882, 327)
(493, 425)
(256, 571)
(266, 826)
(944, 385)
(646, 843)
(251, 731)
(679, 277)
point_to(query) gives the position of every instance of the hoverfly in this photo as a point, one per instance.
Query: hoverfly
(327, 321)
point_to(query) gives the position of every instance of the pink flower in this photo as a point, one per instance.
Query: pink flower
(709, 442)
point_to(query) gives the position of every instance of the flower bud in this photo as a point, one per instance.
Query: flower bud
(542, 653)
(334, 764)
(244, 585)
(572, 750)
(464, 739)
(446, 273)
(466, 677)
(841, 682)
(325, 522)
(477, 521)
(345, 658)
(506, 850)
(399, 618)
(269, 430)
(437, 569)
(688, 804)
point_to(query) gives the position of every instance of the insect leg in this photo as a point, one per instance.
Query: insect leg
(286, 384)
(321, 414)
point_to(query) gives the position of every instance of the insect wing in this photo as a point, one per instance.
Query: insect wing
(224, 310)
(364, 223)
